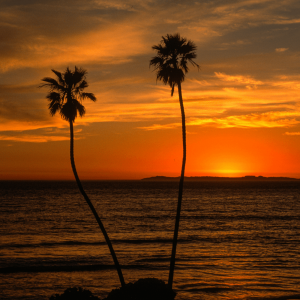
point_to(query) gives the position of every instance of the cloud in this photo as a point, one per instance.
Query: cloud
(36, 34)
(113, 40)
(33, 139)
(39, 35)
(245, 80)
(292, 133)
(287, 82)
(284, 21)
(264, 120)
(41, 135)
(111, 47)
(281, 49)
(160, 126)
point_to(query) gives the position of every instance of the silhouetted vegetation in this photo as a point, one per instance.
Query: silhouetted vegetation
(75, 293)
(143, 289)
(65, 95)
(173, 55)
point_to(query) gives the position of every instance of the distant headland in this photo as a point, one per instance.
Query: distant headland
(215, 178)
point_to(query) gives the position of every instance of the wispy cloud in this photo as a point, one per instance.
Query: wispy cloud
(284, 21)
(265, 120)
(160, 126)
(245, 80)
(41, 135)
(292, 133)
(281, 49)
(33, 139)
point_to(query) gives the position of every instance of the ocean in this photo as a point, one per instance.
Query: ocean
(237, 239)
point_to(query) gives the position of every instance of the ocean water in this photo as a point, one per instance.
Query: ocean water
(237, 240)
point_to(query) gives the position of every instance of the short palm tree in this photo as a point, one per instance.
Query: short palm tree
(173, 55)
(65, 96)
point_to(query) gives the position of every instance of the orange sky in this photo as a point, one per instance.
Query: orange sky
(242, 107)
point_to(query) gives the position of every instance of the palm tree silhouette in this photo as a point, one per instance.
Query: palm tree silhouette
(173, 55)
(65, 96)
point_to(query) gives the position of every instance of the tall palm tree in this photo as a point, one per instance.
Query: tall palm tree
(65, 96)
(173, 55)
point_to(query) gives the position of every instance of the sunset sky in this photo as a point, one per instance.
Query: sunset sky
(242, 106)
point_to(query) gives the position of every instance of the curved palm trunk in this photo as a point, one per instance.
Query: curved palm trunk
(92, 207)
(172, 264)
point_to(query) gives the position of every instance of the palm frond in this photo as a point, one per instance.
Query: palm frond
(171, 61)
(59, 76)
(90, 96)
(52, 84)
(156, 61)
(158, 48)
(66, 91)
(53, 96)
(80, 108)
(172, 91)
(68, 78)
(68, 111)
(82, 85)
(183, 65)
(54, 107)
(78, 76)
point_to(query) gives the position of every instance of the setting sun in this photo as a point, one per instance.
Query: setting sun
(229, 173)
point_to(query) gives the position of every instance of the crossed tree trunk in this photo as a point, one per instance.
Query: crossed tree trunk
(172, 264)
(88, 201)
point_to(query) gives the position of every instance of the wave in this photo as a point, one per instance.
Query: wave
(241, 217)
(80, 243)
(287, 297)
(74, 268)
(50, 244)
(183, 240)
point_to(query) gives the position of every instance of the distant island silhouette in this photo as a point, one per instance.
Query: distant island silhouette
(216, 178)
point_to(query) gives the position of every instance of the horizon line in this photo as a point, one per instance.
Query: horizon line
(162, 177)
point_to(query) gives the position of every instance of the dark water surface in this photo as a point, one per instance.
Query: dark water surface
(237, 240)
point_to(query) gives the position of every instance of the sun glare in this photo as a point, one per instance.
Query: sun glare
(229, 167)
(229, 173)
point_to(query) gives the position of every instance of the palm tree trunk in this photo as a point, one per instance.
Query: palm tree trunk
(92, 207)
(172, 264)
